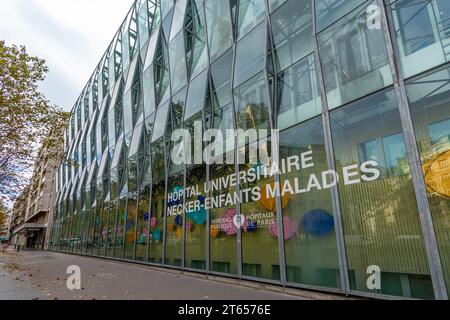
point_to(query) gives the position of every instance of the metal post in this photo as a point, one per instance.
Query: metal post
(276, 151)
(340, 242)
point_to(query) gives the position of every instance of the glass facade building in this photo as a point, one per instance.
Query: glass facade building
(354, 83)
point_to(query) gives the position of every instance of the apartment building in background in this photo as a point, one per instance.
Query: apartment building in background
(33, 210)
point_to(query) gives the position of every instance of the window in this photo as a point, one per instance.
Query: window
(310, 239)
(423, 31)
(380, 217)
(177, 58)
(221, 80)
(298, 96)
(223, 239)
(328, 11)
(354, 58)
(429, 99)
(162, 79)
(292, 32)
(219, 26)
(252, 104)
(250, 13)
(174, 221)
(196, 50)
(250, 54)
(196, 95)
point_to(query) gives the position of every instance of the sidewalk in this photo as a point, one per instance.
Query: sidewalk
(42, 275)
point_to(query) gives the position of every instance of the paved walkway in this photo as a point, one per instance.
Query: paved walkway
(42, 276)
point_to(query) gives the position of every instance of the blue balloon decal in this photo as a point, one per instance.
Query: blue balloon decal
(317, 222)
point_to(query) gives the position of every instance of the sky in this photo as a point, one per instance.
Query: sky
(70, 35)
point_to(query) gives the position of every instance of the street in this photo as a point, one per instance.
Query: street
(42, 276)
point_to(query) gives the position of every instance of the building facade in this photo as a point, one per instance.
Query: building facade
(33, 210)
(358, 93)
(4, 230)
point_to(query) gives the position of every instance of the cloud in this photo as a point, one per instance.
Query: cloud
(70, 35)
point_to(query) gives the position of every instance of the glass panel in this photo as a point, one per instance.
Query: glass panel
(221, 80)
(354, 59)
(151, 51)
(119, 237)
(260, 255)
(149, 91)
(223, 121)
(157, 223)
(309, 231)
(250, 54)
(223, 240)
(251, 12)
(137, 134)
(252, 104)
(158, 160)
(274, 4)
(111, 227)
(219, 26)
(196, 95)
(423, 33)
(429, 98)
(130, 225)
(143, 222)
(292, 32)
(177, 58)
(299, 95)
(178, 21)
(329, 11)
(143, 23)
(378, 204)
(196, 50)
(175, 216)
(160, 122)
(166, 5)
(104, 230)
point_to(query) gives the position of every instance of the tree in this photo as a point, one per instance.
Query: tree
(26, 116)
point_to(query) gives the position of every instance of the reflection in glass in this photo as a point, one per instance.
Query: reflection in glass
(380, 217)
(299, 95)
(250, 55)
(311, 256)
(429, 99)
(329, 11)
(223, 242)
(219, 26)
(157, 223)
(292, 32)
(251, 12)
(354, 59)
(423, 33)
(177, 58)
(221, 80)
(143, 224)
(195, 29)
(174, 217)
(252, 104)
(196, 95)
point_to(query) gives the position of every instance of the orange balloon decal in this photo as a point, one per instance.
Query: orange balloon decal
(270, 203)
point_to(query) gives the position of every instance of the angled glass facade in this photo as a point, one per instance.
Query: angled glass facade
(359, 93)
